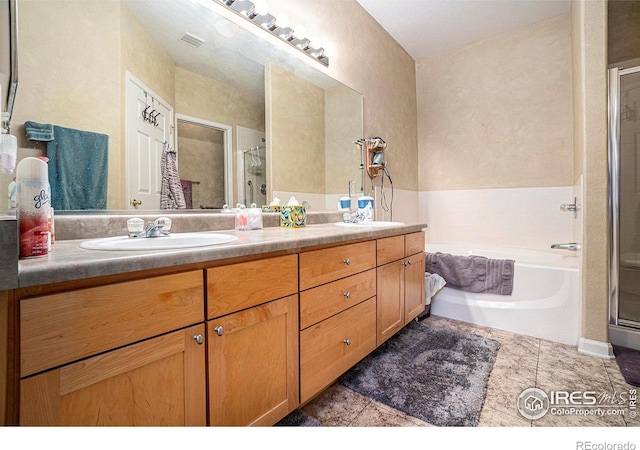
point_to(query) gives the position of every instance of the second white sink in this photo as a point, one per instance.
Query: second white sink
(173, 241)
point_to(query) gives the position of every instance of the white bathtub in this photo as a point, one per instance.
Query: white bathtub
(545, 299)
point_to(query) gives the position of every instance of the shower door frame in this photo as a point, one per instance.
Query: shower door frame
(618, 327)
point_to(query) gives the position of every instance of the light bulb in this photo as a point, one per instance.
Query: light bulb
(261, 7)
(315, 43)
(282, 20)
(300, 32)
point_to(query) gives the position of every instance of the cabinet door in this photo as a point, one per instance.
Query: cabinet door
(253, 364)
(413, 286)
(160, 381)
(390, 300)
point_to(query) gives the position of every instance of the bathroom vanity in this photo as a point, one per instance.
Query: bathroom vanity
(240, 334)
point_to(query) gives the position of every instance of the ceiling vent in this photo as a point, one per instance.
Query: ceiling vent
(192, 39)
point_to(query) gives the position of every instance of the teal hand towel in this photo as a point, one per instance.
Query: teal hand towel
(78, 169)
(39, 131)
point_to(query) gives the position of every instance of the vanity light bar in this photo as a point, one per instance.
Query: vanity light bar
(258, 14)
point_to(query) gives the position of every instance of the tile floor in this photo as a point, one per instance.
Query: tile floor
(523, 362)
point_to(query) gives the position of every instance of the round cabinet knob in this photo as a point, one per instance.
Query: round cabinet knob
(135, 202)
(199, 339)
(408, 263)
(347, 341)
(219, 330)
(347, 261)
(347, 294)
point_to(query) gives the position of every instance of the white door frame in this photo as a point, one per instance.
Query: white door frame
(227, 131)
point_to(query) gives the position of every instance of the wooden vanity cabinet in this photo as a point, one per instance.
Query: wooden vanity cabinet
(400, 282)
(231, 345)
(129, 353)
(252, 335)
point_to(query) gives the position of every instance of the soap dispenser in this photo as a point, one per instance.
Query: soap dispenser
(242, 219)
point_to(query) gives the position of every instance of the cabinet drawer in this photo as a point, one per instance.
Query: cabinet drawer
(414, 243)
(390, 249)
(239, 286)
(60, 328)
(322, 266)
(331, 347)
(325, 301)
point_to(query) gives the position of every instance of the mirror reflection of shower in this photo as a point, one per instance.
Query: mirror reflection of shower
(202, 163)
(254, 166)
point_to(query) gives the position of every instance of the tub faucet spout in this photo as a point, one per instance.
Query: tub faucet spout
(572, 246)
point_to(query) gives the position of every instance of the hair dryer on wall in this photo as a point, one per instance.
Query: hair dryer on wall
(378, 159)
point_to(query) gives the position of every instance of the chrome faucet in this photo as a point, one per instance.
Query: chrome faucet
(155, 228)
(572, 246)
(572, 207)
(355, 217)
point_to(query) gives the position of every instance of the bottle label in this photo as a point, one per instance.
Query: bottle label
(33, 216)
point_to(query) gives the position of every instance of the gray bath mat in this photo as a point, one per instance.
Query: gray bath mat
(431, 373)
(628, 360)
(298, 418)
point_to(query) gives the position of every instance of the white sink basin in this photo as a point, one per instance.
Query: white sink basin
(173, 241)
(375, 223)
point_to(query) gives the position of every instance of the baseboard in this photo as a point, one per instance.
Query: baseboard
(624, 336)
(595, 348)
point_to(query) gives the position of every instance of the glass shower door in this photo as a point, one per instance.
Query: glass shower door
(255, 177)
(629, 198)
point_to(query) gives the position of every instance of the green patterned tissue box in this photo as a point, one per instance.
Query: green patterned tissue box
(293, 216)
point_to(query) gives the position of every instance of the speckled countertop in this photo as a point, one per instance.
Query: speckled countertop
(68, 261)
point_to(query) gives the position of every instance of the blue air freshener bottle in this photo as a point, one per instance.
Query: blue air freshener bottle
(34, 205)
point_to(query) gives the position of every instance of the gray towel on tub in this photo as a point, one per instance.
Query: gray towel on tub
(473, 273)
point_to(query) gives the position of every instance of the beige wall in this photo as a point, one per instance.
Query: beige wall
(498, 113)
(343, 126)
(364, 57)
(623, 31)
(296, 120)
(589, 18)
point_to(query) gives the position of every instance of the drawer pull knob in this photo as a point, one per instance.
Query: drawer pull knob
(347, 341)
(347, 261)
(199, 339)
(347, 294)
(219, 330)
(408, 263)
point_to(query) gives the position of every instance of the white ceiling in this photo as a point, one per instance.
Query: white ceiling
(428, 27)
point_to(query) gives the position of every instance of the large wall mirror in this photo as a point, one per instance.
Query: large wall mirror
(248, 120)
